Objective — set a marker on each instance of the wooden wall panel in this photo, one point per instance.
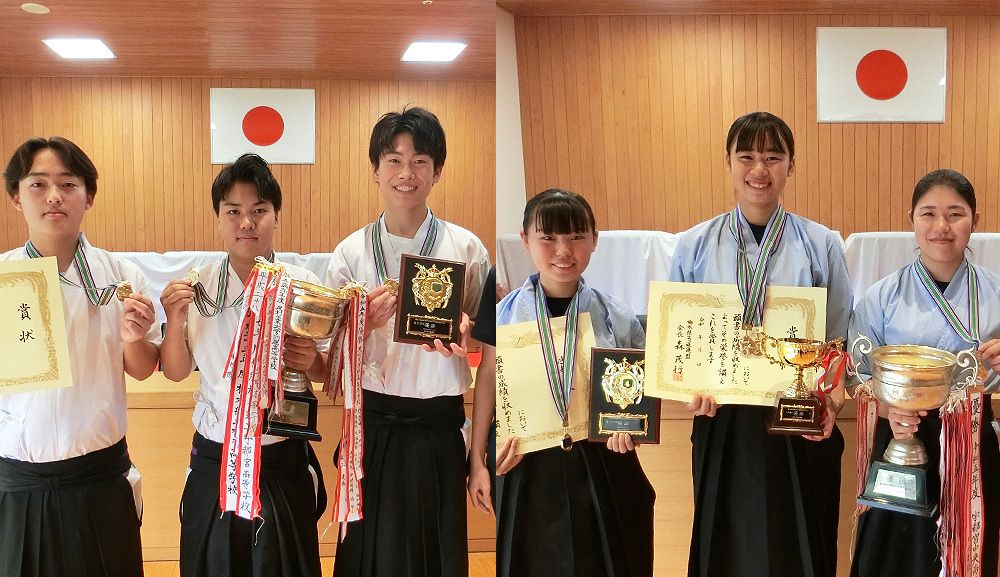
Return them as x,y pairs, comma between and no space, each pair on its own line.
150,140
632,112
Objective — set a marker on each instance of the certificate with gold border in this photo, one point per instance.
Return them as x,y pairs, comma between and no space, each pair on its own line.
525,408
33,350
694,333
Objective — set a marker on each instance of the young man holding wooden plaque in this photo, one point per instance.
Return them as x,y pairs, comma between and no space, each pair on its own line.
413,518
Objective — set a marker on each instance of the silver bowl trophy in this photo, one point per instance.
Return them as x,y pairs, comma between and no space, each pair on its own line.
909,378
798,411
313,312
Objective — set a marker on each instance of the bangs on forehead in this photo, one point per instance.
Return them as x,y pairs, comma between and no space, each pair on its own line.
561,216
761,139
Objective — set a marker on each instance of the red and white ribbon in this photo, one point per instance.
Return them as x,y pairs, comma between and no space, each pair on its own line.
348,352
960,523
257,346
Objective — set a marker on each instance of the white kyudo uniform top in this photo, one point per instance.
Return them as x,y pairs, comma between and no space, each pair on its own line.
400,369
809,254
58,424
209,340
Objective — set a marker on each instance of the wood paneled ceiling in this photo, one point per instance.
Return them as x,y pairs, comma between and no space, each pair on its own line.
252,38
632,7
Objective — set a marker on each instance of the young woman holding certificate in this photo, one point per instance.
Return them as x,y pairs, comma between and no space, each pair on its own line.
583,509
943,301
765,504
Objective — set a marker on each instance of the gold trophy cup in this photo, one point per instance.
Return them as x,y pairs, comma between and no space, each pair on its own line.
312,312
798,410
911,378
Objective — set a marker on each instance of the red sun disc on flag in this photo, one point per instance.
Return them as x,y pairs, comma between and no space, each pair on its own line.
881,74
263,126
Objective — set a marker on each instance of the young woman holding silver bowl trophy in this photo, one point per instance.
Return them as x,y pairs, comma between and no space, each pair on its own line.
927,323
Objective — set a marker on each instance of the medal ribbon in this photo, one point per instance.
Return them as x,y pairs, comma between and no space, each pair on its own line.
960,522
96,296
253,354
752,280
208,307
379,255
347,350
971,334
560,378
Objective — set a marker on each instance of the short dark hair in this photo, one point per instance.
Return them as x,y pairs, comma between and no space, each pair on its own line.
249,169
558,211
72,157
945,177
761,131
420,123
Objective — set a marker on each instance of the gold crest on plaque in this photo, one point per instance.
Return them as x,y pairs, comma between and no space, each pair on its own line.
432,287
622,382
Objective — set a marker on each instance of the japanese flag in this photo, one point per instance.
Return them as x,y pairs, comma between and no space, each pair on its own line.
881,74
276,123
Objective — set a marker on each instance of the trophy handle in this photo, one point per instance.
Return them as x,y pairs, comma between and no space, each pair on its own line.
769,340
968,362
862,344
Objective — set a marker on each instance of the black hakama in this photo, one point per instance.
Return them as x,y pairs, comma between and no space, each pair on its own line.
75,517
891,543
413,491
283,542
586,512
764,504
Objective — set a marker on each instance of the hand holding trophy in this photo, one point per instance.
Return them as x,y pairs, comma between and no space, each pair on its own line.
910,378
798,411
314,312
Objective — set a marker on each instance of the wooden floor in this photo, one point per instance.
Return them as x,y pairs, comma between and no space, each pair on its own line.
480,565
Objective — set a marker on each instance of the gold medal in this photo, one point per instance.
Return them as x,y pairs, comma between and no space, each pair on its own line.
192,277
432,287
622,382
391,286
124,290
751,345
567,442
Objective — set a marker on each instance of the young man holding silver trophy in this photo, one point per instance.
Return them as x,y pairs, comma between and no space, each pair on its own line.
283,539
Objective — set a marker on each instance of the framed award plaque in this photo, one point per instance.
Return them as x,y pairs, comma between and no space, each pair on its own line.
618,403
429,300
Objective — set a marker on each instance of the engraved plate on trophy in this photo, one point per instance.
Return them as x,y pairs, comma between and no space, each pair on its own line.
618,403
429,301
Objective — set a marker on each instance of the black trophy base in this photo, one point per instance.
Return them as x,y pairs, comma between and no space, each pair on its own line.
898,488
297,419
796,417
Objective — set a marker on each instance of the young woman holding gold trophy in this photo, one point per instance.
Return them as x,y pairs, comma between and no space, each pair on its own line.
765,504
941,301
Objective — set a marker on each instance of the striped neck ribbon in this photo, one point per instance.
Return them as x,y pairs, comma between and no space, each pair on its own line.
209,307
560,375
96,296
969,334
379,254
752,280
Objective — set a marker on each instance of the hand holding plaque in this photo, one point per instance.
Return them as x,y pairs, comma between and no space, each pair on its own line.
617,401
429,301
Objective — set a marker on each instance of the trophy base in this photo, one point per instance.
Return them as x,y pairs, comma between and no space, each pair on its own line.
796,417
297,419
898,488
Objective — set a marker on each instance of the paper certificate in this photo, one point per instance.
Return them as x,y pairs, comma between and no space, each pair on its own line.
693,335
33,350
525,408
